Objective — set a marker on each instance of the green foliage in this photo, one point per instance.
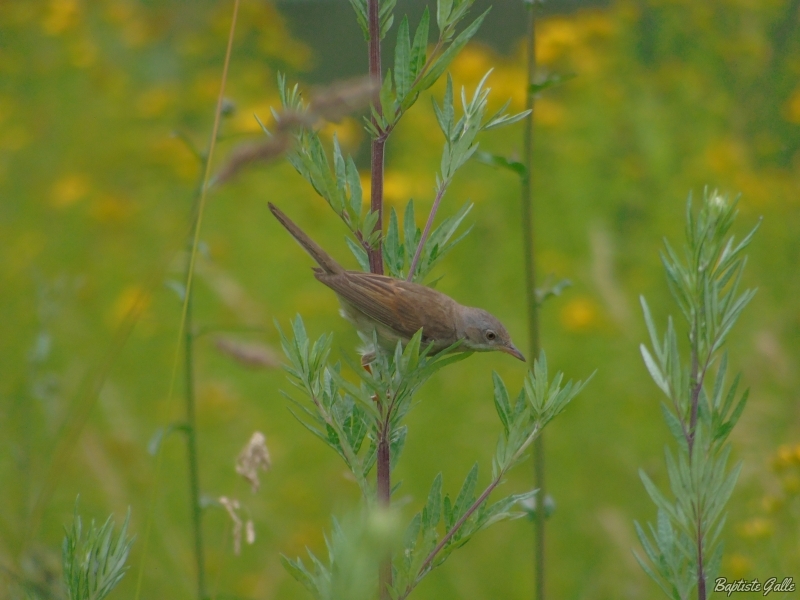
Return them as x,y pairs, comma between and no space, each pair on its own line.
399,255
94,560
355,549
684,550
345,415
414,70
340,187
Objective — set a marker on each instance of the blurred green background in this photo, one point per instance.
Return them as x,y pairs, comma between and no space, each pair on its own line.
95,192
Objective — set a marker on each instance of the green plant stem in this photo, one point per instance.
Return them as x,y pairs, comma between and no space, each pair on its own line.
535,434
191,450
195,241
533,308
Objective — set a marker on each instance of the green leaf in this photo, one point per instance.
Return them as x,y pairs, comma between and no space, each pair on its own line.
496,160
444,60
466,496
420,46
360,254
403,69
396,444
385,15
549,81
393,251
432,511
501,402
360,8
354,184
443,9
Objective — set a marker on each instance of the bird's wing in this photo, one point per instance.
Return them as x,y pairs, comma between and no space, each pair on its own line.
402,306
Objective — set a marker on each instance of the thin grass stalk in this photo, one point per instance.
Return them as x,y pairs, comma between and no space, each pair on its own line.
528,236
195,240
191,449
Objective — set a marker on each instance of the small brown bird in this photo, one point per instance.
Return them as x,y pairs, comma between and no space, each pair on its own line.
397,309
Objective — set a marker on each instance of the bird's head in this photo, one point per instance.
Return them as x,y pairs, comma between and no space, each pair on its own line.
483,332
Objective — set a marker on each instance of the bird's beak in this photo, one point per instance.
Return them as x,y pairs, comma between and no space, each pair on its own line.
513,351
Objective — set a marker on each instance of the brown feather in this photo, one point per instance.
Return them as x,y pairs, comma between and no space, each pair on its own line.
324,260
402,306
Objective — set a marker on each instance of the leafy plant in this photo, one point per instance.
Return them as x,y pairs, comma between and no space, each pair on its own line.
94,558
684,548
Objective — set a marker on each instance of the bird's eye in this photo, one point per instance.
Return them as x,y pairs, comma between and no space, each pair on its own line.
491,335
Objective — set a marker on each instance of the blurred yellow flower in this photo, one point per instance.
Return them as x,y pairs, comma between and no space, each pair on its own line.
172,152
726,156
218,400
471,64
68,190
243,121
61,15
784,457
554,37
792,110
14,137
111,210
155,101
83,53
791,484
133,301
348,131
579,314
756,528
737,565
770,504
397,187
548,112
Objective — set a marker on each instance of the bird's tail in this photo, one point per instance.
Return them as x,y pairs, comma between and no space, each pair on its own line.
324,260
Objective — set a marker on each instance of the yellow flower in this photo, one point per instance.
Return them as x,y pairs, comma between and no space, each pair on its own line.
68,190
792,110
61,15
579,314
155,101
548,112
737,565
172,152
791,484
348,132
471,64
554,37
14,137
783,458
83,53
111,210
756,528
771,504
132,302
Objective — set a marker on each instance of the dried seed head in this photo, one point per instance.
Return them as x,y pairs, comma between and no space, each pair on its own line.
250,354
231,506
253,457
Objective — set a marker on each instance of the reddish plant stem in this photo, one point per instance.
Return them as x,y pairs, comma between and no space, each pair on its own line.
384,481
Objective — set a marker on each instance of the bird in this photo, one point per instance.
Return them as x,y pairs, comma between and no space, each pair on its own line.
395,309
